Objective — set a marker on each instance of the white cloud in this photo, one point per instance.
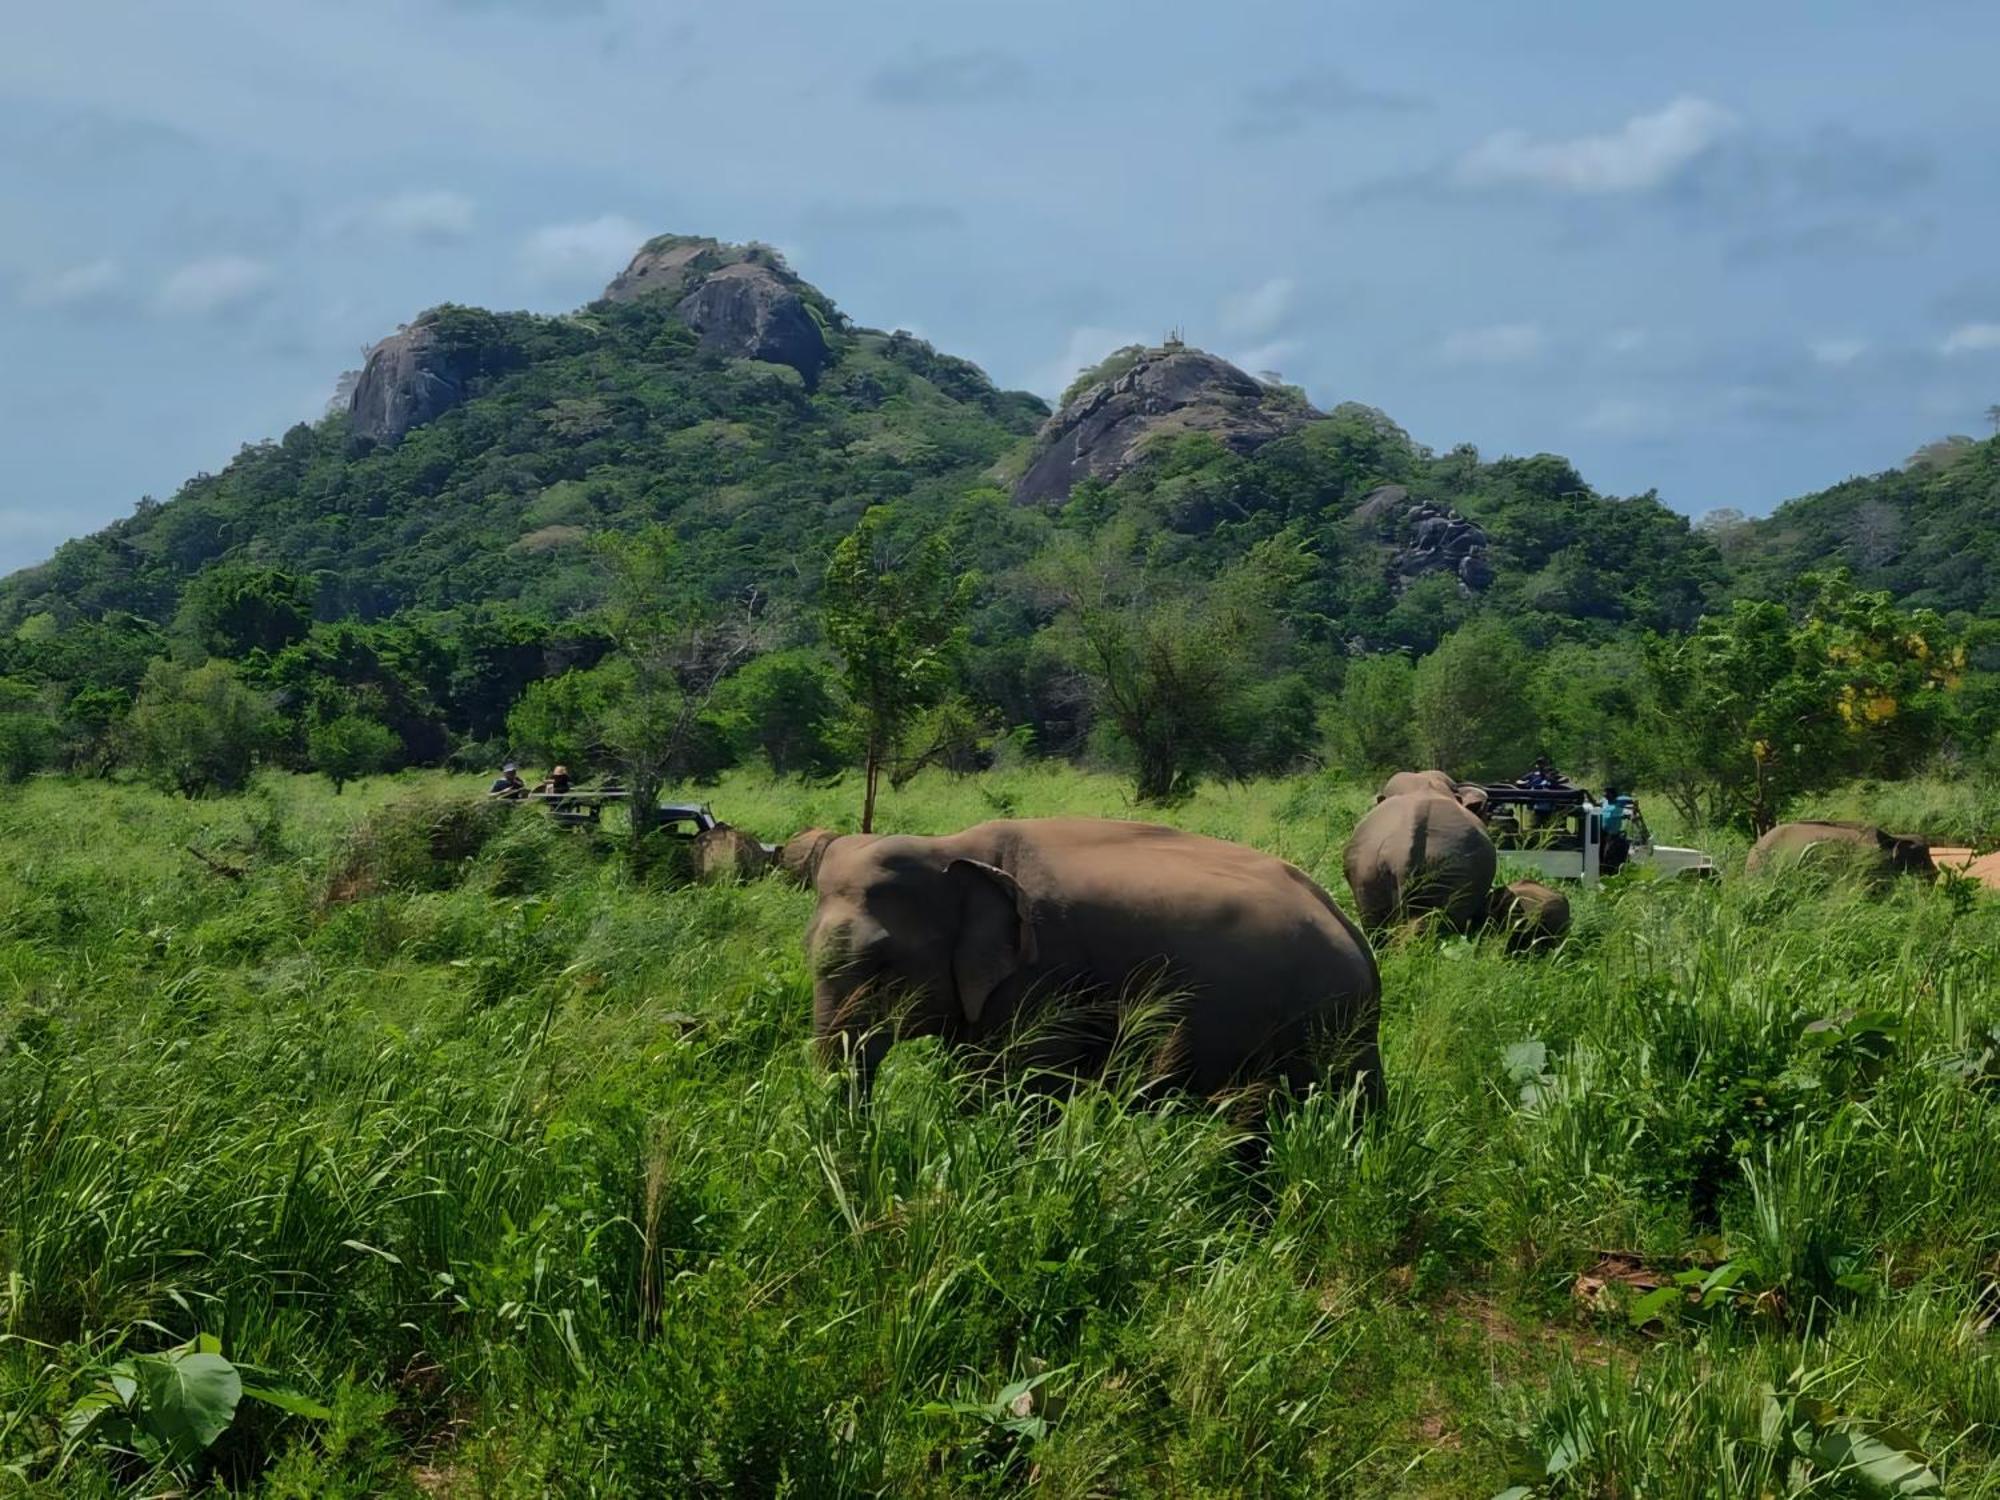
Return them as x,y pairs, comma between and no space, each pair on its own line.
93,283
1973,338
1837,352
1087,345
1625,417
585,250
1499,344
1644,152
1266,359
1627,340
422,214
1254,313
213,285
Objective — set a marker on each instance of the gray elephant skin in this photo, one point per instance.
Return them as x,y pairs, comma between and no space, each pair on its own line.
1468,794
1416,855
1862,846
1024,934
1528,914
1418,783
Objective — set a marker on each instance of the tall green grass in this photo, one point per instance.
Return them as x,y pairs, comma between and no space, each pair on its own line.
522,1168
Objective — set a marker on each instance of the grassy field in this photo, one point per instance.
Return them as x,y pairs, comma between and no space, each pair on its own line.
494,1172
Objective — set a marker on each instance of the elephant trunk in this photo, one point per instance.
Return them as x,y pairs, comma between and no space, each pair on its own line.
841,1030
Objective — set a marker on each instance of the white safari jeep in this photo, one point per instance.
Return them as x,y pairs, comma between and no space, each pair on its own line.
1559,834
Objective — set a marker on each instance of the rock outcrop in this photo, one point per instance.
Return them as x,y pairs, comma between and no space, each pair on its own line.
411,377
1102,430
1426,538
741,299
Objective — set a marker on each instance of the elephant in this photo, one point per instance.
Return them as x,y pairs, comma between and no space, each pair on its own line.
1420,853
1022,939
1468,794
1862,845
800,856
1529,914
1405,783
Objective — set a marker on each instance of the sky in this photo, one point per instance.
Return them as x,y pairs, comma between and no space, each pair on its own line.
1730,252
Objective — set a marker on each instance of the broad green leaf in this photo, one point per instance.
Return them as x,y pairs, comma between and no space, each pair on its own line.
1877,1469
287,1400
1644,1309
187,1402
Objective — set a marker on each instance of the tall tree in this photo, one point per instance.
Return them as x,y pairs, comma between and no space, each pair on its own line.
1757,707
196,730
897,620
1472,703
1172,665
676,645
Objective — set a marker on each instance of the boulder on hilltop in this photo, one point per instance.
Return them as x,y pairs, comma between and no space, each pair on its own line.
742,300
410,377
1101,430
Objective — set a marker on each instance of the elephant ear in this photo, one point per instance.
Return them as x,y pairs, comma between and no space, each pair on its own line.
996,937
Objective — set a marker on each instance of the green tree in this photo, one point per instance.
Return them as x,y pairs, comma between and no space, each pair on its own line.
231,609
1472,706
675,647
561,720
196,729
1756,707
1172,666
27,733
897,622
787,707
1372,732
350,745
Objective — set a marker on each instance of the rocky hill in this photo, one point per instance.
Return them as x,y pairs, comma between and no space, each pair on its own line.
1140,397
713,390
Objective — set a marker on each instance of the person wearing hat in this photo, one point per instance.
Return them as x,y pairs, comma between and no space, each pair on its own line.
509,784
556,784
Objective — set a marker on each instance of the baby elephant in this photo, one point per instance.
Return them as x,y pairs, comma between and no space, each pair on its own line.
1858,846
1529,914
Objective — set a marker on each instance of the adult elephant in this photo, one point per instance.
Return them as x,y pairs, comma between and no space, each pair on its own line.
1417,854
1861,846
1026,934
1418,783
1469,795
802,852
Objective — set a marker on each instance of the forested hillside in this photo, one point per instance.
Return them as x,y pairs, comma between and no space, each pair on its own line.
419,560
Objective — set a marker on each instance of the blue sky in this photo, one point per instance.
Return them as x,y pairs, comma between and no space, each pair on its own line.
1734,252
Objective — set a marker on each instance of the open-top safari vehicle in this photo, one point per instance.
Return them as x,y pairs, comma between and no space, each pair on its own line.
1559,833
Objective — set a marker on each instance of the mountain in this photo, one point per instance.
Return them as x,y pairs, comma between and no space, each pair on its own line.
439,528
1928,532
713,389
710,388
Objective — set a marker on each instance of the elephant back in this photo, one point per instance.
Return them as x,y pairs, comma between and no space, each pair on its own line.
1417,854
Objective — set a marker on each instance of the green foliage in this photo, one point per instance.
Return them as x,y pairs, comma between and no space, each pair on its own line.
788,708
195,730
558,720
1472,704
1173,669
350,745
1755,709
897,623
1372,725
169,1409
231,609
576,1207
28,737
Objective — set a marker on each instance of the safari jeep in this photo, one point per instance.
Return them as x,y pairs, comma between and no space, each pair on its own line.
1559,834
